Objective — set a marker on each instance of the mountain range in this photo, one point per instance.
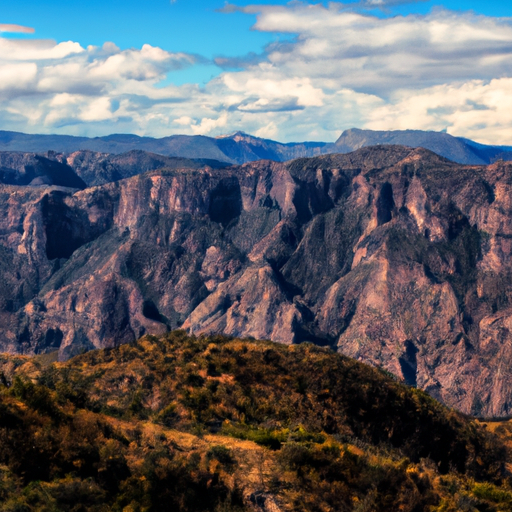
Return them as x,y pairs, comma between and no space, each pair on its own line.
392,255
240,147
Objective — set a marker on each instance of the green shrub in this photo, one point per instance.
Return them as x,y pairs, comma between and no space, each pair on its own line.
168,415
220,453
269,438
489,492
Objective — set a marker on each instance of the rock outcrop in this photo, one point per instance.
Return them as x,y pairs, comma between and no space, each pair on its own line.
394,256
37,170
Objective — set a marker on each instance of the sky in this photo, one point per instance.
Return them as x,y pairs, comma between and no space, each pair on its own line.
288,71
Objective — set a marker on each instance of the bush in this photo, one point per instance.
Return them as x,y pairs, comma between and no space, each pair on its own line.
220,453
489,492
295,456
269,438
168,415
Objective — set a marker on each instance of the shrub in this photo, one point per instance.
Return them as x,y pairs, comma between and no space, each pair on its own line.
489,492
220,453
269,438
168,415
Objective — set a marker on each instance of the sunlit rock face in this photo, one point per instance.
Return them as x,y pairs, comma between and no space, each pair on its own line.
391,255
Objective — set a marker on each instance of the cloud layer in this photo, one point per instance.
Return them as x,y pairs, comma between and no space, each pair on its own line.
338,68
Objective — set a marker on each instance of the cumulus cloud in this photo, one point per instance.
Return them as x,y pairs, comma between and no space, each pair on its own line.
379,55
46,86
338,68
64,67
478,110
344,67
16,50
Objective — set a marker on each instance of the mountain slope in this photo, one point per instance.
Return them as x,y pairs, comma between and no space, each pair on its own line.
453,148
101,168
36,170
83,169
225,424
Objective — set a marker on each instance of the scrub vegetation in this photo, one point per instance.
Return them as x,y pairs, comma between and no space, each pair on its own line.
220,424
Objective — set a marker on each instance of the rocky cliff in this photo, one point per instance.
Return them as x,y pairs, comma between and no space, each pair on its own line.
391,255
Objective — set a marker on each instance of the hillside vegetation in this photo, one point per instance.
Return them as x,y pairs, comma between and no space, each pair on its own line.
221,424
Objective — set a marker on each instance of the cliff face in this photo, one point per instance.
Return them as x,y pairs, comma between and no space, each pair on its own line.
393,256
101,168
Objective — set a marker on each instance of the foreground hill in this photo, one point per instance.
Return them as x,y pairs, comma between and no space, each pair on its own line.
391,255
220,424
239,147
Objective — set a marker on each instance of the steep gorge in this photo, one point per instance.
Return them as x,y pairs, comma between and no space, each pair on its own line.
391,255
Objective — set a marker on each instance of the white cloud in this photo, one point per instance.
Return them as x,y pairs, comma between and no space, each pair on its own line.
209,124
14,50
477,110
56,87
268,132
18,76
184,121
340,69
379,55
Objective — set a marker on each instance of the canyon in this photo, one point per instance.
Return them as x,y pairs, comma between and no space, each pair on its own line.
391,255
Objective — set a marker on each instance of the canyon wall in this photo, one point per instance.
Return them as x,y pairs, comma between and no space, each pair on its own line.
391,255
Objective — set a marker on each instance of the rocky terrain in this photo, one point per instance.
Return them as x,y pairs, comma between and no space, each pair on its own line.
240,147
391,255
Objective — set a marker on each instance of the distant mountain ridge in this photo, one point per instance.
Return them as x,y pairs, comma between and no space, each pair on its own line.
240,148
456,149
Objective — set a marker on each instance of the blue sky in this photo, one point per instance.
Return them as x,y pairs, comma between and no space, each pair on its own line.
290,71
193,26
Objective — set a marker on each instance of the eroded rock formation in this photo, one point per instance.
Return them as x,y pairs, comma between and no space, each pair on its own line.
392,255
